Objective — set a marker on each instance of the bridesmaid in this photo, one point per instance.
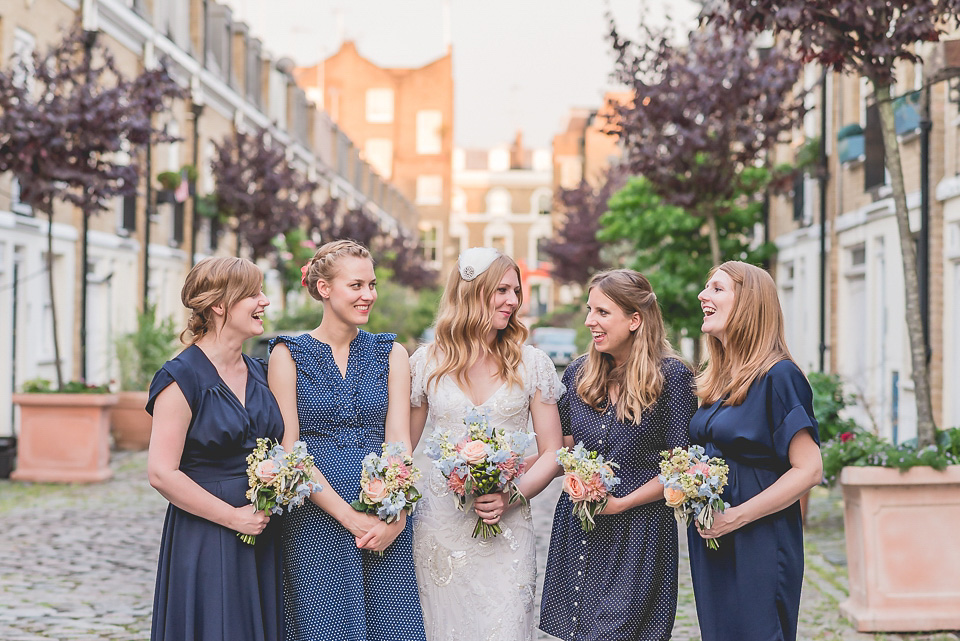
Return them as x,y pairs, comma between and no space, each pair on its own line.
209,406
344,392
628,399
757,413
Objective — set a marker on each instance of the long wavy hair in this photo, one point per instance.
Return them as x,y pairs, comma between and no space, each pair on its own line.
465,318
754,335
216,281
639,378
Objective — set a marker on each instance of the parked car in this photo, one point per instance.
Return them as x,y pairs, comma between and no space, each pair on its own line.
557,342
259,347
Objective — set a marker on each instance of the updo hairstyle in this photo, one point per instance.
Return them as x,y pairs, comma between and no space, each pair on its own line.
216,281
323,265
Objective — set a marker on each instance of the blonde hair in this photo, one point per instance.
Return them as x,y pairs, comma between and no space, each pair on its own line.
755,340
465,318
216,281
640,377
323,265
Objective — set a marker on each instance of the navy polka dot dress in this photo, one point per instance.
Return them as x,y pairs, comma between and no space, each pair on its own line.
619,581
332,590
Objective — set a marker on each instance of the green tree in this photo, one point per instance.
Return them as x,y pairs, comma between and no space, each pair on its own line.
672,246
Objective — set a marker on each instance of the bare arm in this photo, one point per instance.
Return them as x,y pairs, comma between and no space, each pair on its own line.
171,418
396,430
806,471
282,377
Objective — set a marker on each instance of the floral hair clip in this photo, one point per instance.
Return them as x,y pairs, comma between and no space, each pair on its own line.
303,274
475,261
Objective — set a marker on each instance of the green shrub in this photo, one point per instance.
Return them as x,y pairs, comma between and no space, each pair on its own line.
142,352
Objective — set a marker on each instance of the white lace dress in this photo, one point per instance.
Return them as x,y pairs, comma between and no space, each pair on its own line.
476,589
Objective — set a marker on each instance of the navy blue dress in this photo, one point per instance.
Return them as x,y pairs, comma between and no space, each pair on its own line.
760,564
334,591
211,585
619,581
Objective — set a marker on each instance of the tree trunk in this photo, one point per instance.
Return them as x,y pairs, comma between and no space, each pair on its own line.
926,428
53,299
714,235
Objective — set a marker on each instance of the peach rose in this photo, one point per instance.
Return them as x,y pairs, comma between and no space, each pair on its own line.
573,485
473,452
375,490
267,470
674,496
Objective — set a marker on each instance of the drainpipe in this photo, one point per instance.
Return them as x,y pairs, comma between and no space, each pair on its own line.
146,228
923,242
824,173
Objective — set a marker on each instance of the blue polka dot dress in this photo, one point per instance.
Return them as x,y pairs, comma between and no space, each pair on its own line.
618,582
332,590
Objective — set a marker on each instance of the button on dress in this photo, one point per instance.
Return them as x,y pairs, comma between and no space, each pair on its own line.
750,587
211,585
333,590
619,581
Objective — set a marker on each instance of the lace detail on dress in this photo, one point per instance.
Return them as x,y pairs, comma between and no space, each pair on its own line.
543,375
476,589
418,376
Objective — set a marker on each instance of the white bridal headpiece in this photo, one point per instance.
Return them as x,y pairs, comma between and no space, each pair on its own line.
475,261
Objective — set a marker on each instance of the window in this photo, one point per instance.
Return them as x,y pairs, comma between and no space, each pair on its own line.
429,131
429,190
16,206
542,255
430,240
380,105
128,213
379,153
858,256
499,243
23,46
499,202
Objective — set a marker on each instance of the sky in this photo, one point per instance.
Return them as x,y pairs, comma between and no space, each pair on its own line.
517,64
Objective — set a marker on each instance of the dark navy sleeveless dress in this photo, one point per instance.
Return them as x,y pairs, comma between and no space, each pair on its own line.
750,587
211,585
332,590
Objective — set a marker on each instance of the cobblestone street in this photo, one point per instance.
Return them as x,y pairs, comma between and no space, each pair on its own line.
78,562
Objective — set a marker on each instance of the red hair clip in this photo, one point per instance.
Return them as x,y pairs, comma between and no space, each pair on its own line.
303,274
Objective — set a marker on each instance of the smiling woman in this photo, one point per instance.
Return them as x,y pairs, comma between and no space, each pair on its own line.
210,404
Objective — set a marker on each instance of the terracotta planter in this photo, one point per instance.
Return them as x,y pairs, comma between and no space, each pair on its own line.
902,557
64,437
129,422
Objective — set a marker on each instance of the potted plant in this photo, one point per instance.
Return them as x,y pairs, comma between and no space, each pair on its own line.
828,402
140,354
64,432
169,182
901,516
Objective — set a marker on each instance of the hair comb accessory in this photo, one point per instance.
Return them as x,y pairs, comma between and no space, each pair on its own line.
303,274
475,261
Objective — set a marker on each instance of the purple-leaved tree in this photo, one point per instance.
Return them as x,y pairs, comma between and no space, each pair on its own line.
702,113
68,117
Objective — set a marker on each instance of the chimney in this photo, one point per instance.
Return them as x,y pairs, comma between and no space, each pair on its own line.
517,152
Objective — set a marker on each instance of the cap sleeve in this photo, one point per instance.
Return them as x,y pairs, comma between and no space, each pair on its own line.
418,376
542,376
174,371
791,407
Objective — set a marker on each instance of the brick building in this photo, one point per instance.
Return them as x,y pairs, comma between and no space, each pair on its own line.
401,122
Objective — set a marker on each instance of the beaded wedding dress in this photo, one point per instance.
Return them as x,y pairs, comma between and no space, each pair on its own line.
475,589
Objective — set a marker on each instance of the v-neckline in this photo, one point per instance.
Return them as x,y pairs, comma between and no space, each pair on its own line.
341,374
246,383
470,400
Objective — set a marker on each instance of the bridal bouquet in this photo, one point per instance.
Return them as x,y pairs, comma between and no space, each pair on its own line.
278,478
484,461
692,484
386,483
588,480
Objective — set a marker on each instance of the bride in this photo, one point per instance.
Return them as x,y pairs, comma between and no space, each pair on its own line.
475,589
